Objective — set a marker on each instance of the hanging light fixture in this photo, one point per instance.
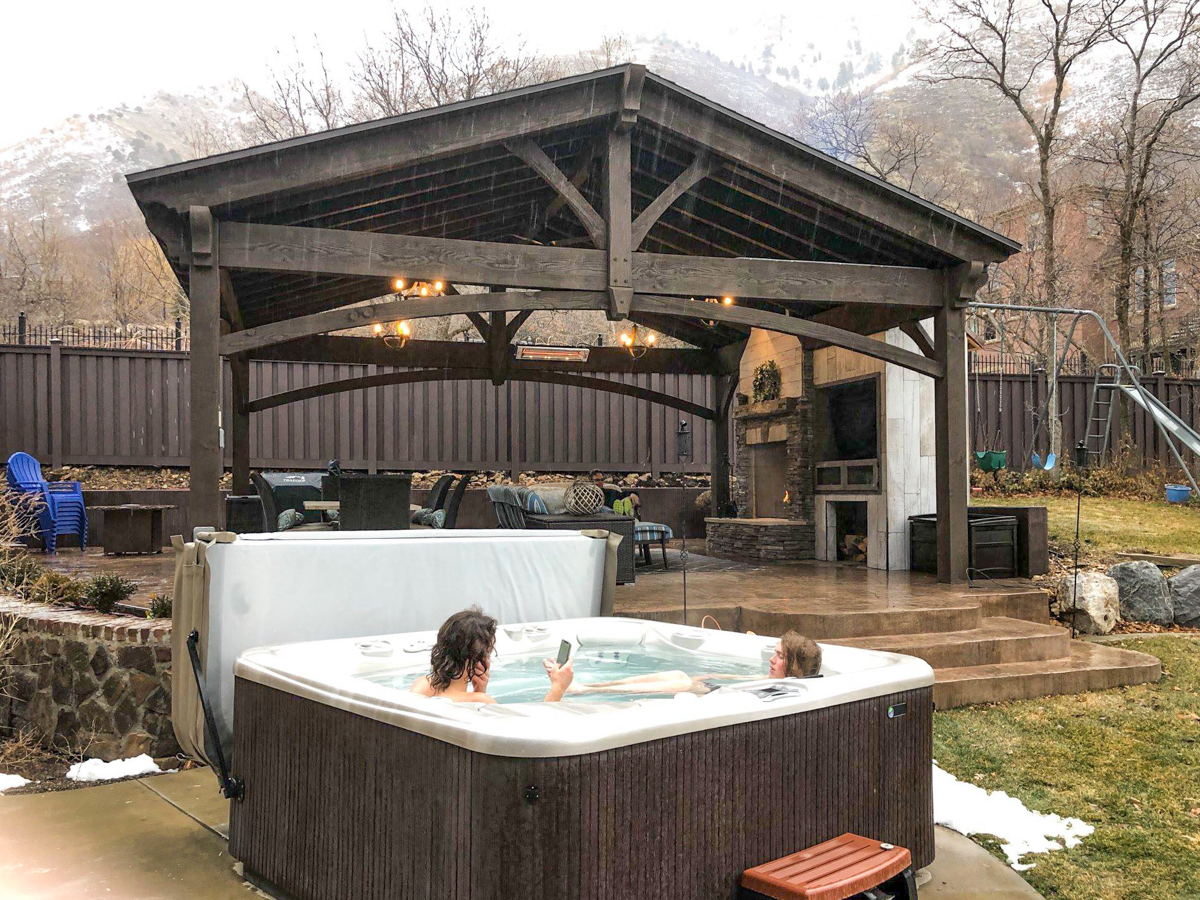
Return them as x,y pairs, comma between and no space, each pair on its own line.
406,288
394,336
637,344
720,301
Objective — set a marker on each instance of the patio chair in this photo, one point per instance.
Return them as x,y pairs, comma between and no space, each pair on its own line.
375,502
438,493
272,507
59,504
455,501
507,506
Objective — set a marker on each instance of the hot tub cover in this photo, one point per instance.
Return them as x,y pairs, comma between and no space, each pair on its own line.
243,591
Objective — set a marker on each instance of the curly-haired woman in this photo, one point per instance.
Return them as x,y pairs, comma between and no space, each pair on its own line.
462,657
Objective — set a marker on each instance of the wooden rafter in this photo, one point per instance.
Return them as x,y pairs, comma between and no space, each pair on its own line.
536,159
292,249
422,354
915,331
482,374
801,328
701,167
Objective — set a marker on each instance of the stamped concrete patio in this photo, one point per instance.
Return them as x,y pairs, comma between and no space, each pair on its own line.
164,838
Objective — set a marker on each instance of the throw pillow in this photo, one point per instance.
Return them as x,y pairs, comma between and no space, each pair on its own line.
584,499
554,496
289,518
438,519
418,515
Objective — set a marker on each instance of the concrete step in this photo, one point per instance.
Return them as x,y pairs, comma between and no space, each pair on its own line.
824,624
998,640
1032,605
1088,667
822,621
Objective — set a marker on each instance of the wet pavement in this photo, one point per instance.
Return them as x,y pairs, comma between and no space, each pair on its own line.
162,838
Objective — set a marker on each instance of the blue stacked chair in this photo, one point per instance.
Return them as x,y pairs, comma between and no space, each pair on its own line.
57,504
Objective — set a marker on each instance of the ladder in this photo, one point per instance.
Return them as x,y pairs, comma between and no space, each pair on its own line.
1108,379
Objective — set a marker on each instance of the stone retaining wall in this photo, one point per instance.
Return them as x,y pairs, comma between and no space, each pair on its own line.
88,682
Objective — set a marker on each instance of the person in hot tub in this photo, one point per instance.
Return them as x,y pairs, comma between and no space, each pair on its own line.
462,657
796,656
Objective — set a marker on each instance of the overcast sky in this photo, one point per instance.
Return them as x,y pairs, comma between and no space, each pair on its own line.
63,57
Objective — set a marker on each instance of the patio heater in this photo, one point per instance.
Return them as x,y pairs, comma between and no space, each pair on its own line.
1081,464
683,449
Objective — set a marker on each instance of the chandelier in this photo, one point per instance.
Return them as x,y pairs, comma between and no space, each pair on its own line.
637,344
397,334
721,301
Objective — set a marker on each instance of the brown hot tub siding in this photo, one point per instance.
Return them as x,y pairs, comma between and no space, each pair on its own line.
341,806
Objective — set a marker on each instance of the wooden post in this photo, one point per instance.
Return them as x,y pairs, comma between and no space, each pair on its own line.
372,397
239,371
204,294
725,386
56,404
618,214
950,414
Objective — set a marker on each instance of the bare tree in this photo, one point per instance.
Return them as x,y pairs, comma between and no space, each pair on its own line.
1024,51
856,128
302,98
1160,80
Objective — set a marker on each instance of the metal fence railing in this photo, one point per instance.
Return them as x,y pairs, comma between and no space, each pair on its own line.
110,337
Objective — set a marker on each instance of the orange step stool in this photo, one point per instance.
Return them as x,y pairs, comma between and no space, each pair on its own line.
835,870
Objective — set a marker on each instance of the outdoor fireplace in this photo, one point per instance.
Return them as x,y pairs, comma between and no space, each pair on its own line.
774,485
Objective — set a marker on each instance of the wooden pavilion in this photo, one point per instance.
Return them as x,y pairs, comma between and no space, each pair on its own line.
616,191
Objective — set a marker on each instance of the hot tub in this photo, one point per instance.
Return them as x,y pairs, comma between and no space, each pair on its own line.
357,788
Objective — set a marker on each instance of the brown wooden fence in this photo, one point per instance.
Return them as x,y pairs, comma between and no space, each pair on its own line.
1002,410
85,406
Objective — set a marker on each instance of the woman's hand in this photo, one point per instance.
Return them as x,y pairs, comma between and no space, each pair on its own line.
560,678
479,679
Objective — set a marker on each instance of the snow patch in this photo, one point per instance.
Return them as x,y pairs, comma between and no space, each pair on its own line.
969,809
8,782
99,770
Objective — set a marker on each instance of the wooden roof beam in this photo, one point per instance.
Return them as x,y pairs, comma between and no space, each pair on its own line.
815,174
701,167
361,150
569,379
534,157
285,248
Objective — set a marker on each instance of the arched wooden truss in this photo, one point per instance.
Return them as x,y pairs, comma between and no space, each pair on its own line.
614,191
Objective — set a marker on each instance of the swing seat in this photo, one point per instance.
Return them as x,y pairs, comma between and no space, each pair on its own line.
1051,459
991,460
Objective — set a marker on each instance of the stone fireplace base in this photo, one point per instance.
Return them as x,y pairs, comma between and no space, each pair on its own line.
760,540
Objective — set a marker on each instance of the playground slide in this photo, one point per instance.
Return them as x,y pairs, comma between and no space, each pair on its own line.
1171,422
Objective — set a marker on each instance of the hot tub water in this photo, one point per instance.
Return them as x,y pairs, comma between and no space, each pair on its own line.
522,678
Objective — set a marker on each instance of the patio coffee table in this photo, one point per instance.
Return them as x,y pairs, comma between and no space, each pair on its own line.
132,528
622,525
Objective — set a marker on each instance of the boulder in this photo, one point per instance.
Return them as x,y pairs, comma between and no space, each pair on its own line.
1145,595
1096,611
1185,596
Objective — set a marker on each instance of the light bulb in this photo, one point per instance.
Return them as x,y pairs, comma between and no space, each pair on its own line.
403,329
424,290
651,338
626,339
378,328
728,301
437,286
399,284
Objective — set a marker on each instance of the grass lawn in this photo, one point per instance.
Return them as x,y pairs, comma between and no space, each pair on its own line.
1126,761
1109,525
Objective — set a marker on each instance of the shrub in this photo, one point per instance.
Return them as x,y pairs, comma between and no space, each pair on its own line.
55,587
19,572
767,382
160,607
104,592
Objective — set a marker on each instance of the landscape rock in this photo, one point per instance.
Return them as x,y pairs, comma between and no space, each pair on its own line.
1185,596
1098,606
1144,593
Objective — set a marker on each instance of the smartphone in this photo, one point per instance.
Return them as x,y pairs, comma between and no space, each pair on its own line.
564,652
